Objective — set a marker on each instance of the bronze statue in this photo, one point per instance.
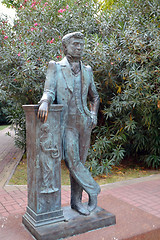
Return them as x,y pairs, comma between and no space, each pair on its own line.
70,83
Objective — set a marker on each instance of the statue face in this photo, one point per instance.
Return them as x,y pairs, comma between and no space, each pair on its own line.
75,47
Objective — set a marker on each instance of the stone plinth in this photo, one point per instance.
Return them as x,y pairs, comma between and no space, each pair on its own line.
74,224
44,167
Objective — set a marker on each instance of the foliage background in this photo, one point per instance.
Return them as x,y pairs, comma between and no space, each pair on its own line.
122,45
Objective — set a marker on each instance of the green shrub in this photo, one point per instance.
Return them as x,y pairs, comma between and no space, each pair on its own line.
3,113
105,154
131,86
28,46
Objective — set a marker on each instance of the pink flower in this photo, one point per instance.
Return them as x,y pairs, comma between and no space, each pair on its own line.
33,4
60,10
35,24
45,3
32,29
19,54
60,16
41,30
97,44
52,40
5,37
67,6
112,63
48,41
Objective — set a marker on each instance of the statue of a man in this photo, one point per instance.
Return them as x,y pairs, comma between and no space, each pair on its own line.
70,83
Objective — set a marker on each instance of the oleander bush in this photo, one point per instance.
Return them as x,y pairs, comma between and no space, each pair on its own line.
121,44
3,113
3,110
129,74
28,46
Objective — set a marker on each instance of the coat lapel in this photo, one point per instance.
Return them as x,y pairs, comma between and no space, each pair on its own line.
67,74
84,78
69,78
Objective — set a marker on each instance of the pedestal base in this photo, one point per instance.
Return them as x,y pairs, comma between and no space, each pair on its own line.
74,224
30,218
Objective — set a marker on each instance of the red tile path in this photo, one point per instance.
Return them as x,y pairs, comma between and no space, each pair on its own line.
143,193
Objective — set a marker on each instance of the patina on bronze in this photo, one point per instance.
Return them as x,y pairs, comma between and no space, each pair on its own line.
63,129
70,83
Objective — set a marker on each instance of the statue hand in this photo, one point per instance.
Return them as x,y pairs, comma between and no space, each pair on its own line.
43,111
94,120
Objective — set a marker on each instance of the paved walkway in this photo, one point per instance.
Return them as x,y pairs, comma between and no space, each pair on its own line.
9,155
136,204
143,193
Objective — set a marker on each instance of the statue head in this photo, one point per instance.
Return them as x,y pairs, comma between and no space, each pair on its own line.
73,44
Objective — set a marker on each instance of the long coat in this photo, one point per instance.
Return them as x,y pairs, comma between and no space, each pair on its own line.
59,86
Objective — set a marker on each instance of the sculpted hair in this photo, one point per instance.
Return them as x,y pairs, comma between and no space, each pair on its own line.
67,37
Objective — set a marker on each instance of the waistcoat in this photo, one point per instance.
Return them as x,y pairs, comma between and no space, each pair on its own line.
75,105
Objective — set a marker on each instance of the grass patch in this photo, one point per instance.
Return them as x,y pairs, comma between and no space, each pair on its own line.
3,127
120,173
20,175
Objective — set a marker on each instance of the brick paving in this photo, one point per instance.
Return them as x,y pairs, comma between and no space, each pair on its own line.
144,195
13,199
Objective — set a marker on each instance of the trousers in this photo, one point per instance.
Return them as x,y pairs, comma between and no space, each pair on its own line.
76,145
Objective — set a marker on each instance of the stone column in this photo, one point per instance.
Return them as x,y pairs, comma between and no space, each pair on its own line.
44,167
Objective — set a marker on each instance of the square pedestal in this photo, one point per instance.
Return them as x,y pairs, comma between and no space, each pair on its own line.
74,224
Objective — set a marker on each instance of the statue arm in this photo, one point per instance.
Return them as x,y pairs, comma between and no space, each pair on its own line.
93,96
49,92
93,100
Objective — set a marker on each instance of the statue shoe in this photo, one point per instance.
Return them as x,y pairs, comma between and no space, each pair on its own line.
80,208
92,204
